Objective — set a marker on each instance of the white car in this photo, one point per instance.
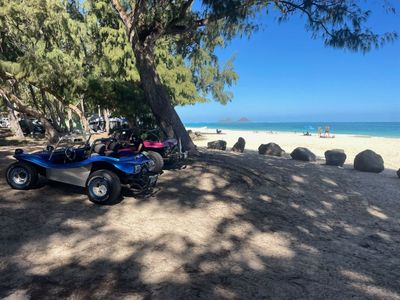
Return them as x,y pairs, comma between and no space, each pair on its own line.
4,122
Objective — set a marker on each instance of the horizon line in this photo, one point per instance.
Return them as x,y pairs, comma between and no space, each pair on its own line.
241,122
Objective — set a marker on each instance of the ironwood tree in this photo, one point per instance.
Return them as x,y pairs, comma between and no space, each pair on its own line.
64,58
339,23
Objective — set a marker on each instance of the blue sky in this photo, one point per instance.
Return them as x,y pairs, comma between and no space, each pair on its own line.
285,75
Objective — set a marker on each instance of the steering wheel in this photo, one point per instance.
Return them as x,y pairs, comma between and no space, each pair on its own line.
70,153
153,134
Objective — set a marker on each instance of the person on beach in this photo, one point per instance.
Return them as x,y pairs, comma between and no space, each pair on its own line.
327,131
319,131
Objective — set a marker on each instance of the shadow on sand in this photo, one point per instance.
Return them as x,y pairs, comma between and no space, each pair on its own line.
226,226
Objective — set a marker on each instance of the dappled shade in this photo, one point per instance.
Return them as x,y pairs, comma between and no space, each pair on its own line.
224,225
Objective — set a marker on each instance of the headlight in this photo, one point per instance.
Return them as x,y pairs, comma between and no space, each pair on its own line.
138,168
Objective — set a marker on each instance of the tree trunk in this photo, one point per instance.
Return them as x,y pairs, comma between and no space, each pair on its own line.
82,106
84,121
132,122
61,115
158,98
51,134
14,123
106,116
69,120
14,102
50,107
33,95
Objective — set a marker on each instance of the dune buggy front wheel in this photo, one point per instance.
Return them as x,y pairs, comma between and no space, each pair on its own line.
21,175
103,187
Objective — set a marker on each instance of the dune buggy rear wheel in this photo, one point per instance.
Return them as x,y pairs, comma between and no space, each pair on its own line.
103,187
157,159
22,176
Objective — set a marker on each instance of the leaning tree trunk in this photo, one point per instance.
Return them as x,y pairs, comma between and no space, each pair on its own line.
14,123
84,121
51,134
61,116
12,101
52,116
158,98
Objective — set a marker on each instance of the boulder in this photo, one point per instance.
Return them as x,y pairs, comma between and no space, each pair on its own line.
335,157
239,145
218,145
398,173
369,161
270,149
303,154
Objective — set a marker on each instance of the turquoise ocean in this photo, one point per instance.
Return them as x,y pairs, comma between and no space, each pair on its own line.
380,129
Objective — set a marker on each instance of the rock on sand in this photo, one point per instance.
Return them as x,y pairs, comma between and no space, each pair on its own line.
303,154
217,145
335,157
239,146
369,161
270,149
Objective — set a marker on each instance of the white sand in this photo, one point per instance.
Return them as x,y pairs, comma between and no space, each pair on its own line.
388,148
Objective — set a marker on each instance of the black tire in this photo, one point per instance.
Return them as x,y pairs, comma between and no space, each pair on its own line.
22,176
158,161
103,187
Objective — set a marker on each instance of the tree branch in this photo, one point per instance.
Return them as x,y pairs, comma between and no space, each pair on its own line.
122,13
19,104
303,9
175,28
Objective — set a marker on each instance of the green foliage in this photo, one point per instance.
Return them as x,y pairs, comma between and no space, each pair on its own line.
191,36
188,81
73,49
42,45
340,24
123,98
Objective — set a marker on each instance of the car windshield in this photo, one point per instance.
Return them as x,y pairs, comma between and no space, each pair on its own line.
73,140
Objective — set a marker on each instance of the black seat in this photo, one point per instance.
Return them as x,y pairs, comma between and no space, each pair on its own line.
99,149
113,148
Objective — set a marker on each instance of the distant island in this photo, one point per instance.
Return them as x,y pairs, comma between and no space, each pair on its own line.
243,120
229,120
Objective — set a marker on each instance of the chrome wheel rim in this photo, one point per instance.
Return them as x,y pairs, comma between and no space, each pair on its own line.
19,176
100,187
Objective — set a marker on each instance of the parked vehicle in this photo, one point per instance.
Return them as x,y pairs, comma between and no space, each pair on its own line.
4,122
31,126
117,123
97,123
85,165
169,150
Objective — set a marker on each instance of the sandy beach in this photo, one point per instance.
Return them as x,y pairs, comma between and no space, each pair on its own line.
388,148
224,226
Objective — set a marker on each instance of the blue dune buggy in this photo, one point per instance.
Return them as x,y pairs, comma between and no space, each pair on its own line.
86,166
